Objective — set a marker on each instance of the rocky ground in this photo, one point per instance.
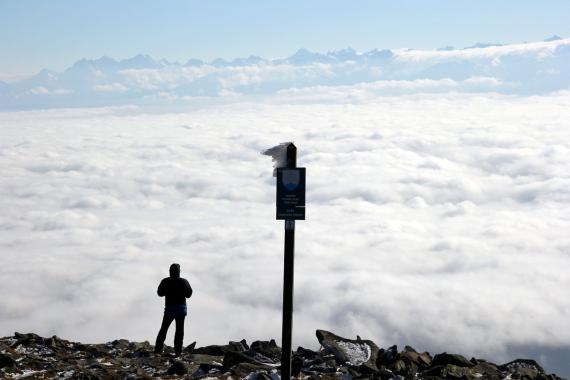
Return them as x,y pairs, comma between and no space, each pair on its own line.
31,356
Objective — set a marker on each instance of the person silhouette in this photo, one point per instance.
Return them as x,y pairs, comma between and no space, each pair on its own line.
175,289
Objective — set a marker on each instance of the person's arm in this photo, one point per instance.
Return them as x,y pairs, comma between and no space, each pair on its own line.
161,291
188,292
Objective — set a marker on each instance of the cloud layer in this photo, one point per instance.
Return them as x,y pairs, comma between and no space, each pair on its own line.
434,220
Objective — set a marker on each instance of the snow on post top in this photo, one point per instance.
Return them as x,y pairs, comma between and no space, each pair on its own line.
279,155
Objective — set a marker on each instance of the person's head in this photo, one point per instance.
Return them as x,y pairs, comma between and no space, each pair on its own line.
175,270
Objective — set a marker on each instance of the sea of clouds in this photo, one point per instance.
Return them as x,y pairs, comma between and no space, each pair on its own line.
438,220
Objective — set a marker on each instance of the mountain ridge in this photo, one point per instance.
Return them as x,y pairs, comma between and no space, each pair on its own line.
146,61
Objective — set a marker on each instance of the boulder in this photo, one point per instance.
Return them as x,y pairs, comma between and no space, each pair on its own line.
244,369
525,374
306,353
238,346
25,339
456,372
206,370
433,372
232,358
190,348
120,344
384,373
453,359
421,360
267,348
220,350
177,368
447,371
486,370
260,358
207,359
355,352
387,357
217,350
516,364
6,361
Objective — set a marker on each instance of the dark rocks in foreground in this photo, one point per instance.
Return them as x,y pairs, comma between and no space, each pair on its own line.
31,356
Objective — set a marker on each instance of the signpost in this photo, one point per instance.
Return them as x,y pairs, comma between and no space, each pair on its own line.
291,194
290,207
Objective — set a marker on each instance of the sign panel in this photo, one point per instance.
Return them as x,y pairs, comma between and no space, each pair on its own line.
291,193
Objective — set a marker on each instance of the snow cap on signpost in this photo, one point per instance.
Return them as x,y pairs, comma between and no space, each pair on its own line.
279,155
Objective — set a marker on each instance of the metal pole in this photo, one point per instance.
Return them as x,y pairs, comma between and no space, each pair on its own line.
288,282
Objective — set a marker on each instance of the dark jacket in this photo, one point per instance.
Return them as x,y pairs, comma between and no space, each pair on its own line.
174,288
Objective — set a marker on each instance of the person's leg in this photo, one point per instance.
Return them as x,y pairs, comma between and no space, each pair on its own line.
179,334
166,321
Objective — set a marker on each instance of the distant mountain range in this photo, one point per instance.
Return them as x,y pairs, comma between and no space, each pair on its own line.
526,68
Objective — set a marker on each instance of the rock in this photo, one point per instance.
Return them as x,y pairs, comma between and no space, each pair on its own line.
424,359
351,351
244,369
449,371
384,373
6,361
207,359
296,364
190,348
456,372
86,375
263,376
366,369
244,344
120,344
24,339
307,353
398,366
205,369
50,342
238,346
512,366
454,359
525,374
267,348
140,346
433,372
213,350
177,368
421,360
260,357
140,349
232,358
27,337
387,357
409,349
217,350
487,370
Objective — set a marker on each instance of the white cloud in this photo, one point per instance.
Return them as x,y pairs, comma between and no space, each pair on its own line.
436,220
543,49
39,90
111,87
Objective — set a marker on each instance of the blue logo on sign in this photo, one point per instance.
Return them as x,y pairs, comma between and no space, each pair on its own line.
291,179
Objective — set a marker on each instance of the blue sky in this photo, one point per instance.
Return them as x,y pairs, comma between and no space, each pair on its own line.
38,34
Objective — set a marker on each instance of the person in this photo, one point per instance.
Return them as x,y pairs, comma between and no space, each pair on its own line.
175,289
